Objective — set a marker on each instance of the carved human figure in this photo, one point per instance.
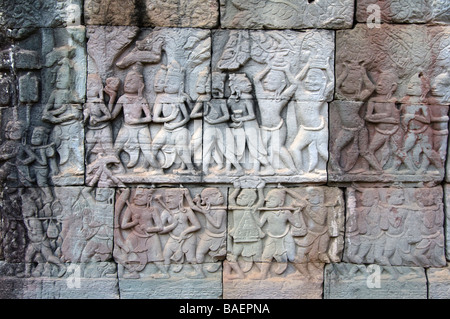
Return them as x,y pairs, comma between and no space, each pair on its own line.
143,222
212,241
418,142
170,108
273,95
372,223
15,156
429,249
397,248
134,136
64,111
383,113
353,132
354,82
314,84
97,116
245,232
181,223
245,127
312,249
440,94
39,249
43,161
99,230
279,243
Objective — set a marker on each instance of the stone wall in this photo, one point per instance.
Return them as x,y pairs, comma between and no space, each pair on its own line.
224,149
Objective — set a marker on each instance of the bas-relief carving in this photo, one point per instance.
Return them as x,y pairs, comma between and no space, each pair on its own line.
291,14
282,232
284,130
43,238
391,120
164,233
395,11
17,14
146,98
395,226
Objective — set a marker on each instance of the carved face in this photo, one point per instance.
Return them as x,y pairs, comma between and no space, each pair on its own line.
173,198
213,196
368,198
172,85
141,197
274,80
247,197
274,200
315,80
14,131
37,138
102,194
414,87
160,81
441,85
425,197
396,197
133,83
316,196
63,78
241,83
385,84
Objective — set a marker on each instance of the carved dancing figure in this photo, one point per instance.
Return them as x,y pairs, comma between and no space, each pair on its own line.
244,126
273,95
181,223
170,108
134,135
142,245
245,231
314,84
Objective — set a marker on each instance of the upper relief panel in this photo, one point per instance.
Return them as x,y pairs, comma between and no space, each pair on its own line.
401,11
16,14
287,14
154,13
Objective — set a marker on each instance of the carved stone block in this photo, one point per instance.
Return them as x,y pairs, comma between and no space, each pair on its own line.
447,220
349,281
289,285
292,14
396,11
284,131
40,14
153,79
438,283
301,227
395,226
387,141
150,13
159,232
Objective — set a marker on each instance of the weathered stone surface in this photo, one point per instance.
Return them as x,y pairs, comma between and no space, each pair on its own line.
394,123
387,141
438,283
285,128
447,221
291,284
150,13
39,14
348,281
395,226
396,11
82,281
292,14
169,229
299,226
180,285
164,73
